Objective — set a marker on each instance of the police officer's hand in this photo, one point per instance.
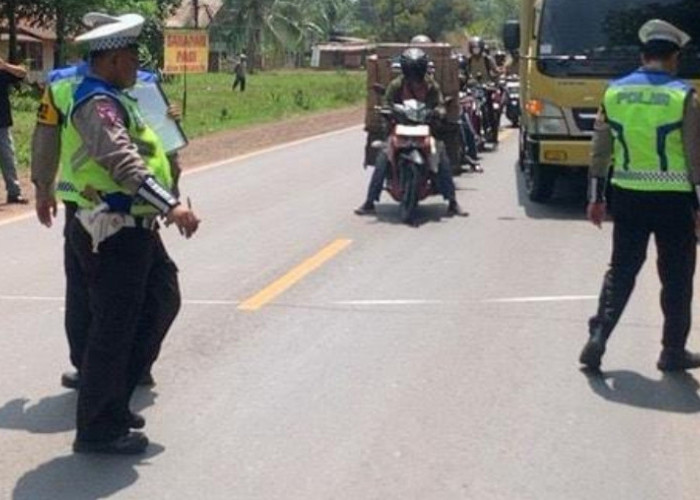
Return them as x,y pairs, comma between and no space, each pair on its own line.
185,220
596,213
46,208
175,112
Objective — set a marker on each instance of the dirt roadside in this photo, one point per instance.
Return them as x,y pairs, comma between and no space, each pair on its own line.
232,143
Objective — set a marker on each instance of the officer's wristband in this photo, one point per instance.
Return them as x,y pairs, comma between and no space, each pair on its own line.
156,195
596,190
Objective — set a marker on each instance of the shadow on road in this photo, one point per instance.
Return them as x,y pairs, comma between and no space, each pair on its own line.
674,393
54,414
82,477
388,213
568,202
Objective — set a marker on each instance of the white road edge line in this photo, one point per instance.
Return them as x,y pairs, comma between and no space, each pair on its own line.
366,303
526,300
512,300
409,302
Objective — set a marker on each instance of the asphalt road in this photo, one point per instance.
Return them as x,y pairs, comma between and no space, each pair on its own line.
320,355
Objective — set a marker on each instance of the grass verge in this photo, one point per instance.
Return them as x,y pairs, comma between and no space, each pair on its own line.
212,106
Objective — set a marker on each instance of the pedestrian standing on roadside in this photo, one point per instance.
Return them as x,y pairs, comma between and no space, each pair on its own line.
10,74
649,126
240,70
121,170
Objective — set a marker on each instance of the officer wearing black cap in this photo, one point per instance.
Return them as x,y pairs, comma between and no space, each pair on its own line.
649,126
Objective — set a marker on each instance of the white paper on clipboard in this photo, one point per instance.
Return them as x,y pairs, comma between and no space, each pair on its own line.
154,107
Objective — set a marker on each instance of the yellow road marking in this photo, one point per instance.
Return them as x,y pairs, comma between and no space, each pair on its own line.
281,285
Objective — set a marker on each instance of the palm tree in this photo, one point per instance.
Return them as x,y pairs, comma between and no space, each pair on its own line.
264,24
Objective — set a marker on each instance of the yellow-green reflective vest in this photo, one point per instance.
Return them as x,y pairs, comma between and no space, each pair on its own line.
62,97
89,176
645,111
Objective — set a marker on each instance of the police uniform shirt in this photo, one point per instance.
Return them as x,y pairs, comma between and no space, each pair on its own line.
603,141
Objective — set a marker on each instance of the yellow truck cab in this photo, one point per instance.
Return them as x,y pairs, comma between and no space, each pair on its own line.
568,51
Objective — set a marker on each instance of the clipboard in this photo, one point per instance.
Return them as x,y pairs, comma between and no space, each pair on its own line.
153,104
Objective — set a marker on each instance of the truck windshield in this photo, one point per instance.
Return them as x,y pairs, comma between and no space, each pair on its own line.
599,38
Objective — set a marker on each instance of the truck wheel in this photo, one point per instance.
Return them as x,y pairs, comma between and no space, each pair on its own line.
539,181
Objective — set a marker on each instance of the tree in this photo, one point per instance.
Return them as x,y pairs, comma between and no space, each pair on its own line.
399,21
264,24
66,17
491,14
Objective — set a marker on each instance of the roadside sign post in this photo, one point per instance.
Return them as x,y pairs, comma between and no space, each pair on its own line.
186,52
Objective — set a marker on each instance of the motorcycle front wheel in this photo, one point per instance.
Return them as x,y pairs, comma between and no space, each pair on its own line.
409,185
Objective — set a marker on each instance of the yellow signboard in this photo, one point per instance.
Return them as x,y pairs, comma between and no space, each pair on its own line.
186,51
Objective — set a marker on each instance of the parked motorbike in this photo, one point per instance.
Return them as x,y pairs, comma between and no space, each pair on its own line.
512,100
413,155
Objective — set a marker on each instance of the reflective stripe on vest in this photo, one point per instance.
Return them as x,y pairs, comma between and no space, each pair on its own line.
645,112
89,176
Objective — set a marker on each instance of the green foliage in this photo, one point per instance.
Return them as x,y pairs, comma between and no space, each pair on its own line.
270,96
491,14
395,20
66,16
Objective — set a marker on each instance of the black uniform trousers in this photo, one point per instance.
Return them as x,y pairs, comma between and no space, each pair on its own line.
134,298
670,217
77,316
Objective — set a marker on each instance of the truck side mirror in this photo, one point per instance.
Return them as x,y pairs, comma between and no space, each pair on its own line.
511,35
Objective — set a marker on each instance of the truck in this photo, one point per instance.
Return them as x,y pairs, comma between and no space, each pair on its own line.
568,52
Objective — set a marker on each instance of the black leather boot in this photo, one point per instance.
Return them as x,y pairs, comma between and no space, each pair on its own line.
594,349
677,360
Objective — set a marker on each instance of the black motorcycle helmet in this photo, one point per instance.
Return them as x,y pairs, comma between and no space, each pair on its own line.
414,64
477,46
500,57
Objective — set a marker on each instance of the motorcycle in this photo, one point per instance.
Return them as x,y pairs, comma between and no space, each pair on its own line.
512,100
472,101
471,124
413,155
492,110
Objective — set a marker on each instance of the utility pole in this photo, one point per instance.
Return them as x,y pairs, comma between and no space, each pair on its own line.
195,6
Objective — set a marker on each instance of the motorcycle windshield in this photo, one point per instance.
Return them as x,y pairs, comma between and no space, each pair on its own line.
599,38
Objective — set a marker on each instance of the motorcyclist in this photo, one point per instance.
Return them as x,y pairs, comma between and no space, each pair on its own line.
501,60
466,126
414,83
483,68
479,64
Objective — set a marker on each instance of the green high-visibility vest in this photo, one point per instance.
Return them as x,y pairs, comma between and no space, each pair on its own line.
62,98
645,111
88,175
